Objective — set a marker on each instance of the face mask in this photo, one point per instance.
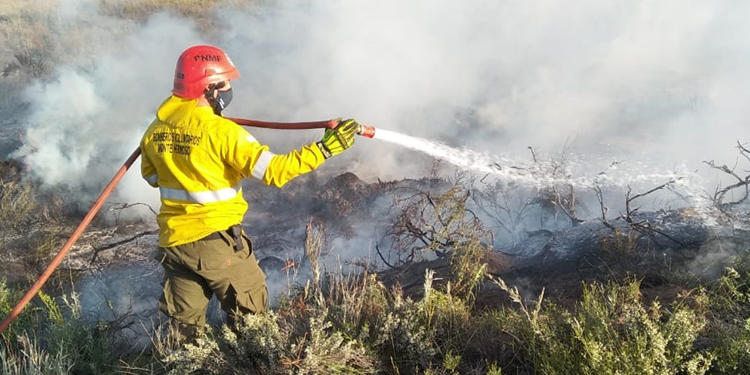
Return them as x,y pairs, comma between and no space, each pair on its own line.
221,101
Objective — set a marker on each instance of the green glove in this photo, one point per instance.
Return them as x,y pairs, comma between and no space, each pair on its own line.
338,139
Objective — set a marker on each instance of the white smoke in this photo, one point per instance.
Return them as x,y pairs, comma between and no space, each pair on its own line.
659,84
655,82
89,117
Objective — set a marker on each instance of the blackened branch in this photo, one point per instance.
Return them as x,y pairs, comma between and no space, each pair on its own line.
742,182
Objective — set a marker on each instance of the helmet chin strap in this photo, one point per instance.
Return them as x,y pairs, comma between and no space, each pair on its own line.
216,98
212,98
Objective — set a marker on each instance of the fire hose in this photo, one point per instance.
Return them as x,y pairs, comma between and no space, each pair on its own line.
365,131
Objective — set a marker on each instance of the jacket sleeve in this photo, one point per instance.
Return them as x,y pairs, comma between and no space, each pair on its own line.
251,158
148,171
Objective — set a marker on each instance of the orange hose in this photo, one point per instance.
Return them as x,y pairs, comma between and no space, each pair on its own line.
73,238
365,130
330,124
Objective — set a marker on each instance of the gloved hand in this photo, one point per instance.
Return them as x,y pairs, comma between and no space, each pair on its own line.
338,139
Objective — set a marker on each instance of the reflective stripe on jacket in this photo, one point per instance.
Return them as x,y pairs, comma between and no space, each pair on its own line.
198,161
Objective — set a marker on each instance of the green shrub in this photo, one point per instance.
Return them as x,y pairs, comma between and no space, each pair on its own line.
731,346
31,359
54,339
201,357
329,351
729,327
616,332
447,318
259,343
402,337
468,269
611,331
256,343
449,365
87,345
26,321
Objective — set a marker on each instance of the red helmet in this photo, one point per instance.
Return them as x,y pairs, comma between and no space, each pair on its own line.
200,66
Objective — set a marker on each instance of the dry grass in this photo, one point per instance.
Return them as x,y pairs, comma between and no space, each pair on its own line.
202,11
353,324
35,36
25,28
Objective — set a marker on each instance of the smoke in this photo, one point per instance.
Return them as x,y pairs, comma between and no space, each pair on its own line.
86,119
637,80
658,87
655,83
110,296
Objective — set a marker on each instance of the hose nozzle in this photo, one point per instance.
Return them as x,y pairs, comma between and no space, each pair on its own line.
367,131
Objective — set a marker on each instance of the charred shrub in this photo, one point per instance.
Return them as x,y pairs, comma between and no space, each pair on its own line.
443,226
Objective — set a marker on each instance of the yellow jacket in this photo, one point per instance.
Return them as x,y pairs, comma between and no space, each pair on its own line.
198,161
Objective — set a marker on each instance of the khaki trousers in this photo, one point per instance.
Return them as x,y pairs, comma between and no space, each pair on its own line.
195,271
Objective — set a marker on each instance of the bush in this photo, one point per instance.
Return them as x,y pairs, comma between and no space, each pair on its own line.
407,336
729,326
448,318
611,331
260,344
8,299
66,344
87,345
31,359
23,231
731,346
328,351
17,206
616,332
355,325
402,337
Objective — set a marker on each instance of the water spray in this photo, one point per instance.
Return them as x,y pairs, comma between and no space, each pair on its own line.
365,131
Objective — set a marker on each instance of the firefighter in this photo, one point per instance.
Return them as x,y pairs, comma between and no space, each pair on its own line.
198,159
